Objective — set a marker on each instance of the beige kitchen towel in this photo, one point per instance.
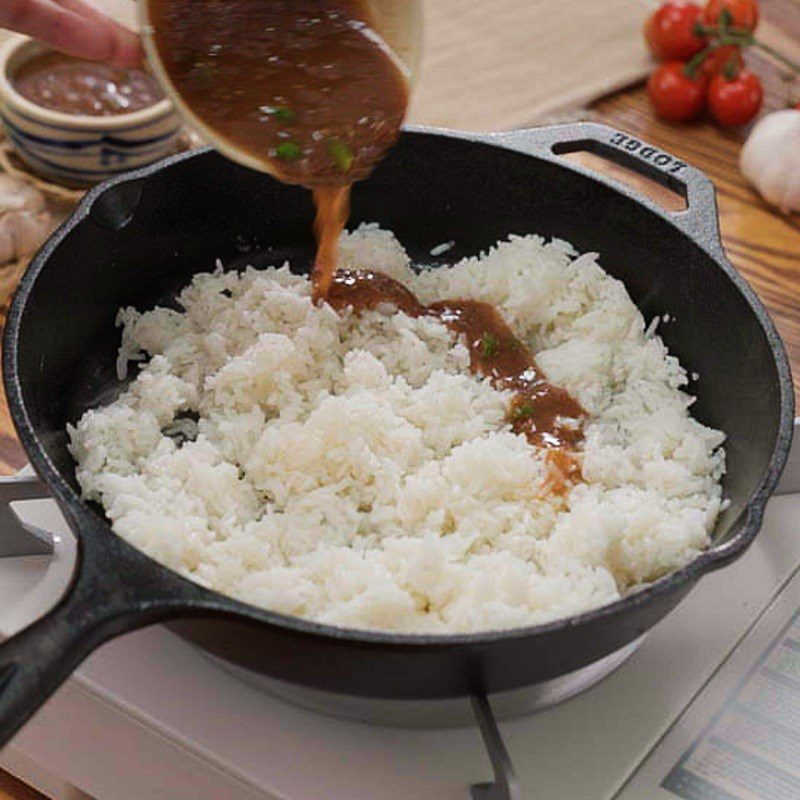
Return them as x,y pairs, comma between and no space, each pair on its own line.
498,64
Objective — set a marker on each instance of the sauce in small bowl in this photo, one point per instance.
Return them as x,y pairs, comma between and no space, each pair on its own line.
74,86
76,131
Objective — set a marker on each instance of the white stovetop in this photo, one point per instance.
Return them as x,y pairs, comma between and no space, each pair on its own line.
148,716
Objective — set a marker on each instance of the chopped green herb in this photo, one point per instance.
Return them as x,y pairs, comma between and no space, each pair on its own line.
282,113
288,151
523,412
489,344
341,154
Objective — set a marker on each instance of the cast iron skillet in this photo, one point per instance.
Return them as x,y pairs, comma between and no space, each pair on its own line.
136,239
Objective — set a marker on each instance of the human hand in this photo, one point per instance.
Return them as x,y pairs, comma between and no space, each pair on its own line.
75,27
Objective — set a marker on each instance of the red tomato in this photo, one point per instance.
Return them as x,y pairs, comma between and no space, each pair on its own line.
674,95
735,101
727,56
670,31
744,13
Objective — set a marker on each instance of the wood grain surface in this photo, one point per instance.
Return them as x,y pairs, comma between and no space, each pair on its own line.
764,245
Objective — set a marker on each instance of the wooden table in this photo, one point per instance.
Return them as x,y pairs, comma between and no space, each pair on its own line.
763,245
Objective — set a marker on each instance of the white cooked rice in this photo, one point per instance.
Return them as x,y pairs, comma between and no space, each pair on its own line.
351,470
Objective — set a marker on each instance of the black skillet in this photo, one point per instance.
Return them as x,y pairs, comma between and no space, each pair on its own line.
136,239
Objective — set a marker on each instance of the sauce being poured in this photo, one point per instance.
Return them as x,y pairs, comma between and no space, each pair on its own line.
306,86
547,415
333,209
74,86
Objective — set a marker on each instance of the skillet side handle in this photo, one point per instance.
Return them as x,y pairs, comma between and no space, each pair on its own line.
36,661
730,549
699,220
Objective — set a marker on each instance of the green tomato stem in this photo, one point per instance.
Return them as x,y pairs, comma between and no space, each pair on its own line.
744,38
693,65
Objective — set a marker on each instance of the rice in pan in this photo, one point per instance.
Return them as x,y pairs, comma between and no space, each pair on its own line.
350,469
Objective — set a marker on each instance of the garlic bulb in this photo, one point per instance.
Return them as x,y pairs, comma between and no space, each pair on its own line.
25,221
770,159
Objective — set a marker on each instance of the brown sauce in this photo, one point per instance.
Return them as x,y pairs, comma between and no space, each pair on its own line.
73,86
547,415
333,209
303,84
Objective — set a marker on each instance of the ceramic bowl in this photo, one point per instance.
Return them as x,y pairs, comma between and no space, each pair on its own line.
74,149
399,23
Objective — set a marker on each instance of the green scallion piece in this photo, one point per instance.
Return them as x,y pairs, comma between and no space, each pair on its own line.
288,151
283,114
523,412
341,154
489,344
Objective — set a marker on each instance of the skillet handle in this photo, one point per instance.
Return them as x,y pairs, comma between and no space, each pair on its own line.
114,590
36,661
699,220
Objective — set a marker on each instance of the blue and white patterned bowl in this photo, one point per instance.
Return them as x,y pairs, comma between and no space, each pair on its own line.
79,150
